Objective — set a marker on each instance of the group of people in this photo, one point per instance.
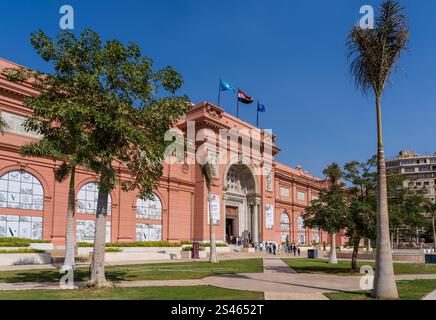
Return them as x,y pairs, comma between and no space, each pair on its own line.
273,248
268,247
292,248
240,241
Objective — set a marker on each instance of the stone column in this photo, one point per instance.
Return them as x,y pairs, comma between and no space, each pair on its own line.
255,222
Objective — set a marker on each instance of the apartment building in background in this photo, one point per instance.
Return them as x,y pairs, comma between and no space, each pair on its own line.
420,171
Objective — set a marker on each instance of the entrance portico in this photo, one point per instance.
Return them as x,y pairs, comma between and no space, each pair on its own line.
241,202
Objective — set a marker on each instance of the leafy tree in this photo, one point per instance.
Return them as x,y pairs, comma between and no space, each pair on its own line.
406,207
374,53
362,203
329,212
430,208
207,170
123,109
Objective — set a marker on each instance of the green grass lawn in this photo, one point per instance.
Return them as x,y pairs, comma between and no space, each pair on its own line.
136,293
344,267
408,290
160,271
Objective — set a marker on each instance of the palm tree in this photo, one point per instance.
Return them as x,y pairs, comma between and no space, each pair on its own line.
374,53
207,170
334,174
71,151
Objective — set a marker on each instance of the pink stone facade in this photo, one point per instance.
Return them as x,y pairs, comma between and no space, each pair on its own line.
180,210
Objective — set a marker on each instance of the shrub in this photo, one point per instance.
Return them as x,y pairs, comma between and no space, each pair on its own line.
219,244
22,251
19,242
133,244
189,248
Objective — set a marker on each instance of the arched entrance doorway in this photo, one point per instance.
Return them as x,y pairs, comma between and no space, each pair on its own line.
241,203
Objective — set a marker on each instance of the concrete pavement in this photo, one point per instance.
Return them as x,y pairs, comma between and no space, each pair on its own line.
278,282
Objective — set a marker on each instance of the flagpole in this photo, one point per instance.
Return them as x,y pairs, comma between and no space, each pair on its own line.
237,104
257,114
219,93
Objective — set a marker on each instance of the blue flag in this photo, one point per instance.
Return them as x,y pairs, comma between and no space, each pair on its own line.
260,107
224,86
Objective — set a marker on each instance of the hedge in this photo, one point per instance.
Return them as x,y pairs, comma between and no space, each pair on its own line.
19,242
21,251
189,248
132,244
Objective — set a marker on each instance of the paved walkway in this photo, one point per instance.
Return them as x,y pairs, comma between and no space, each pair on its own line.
278,282
431,296
276,265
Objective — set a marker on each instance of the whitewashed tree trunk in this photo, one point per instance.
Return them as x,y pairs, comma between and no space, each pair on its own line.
213,256
332,256
98,277
384,279
70,236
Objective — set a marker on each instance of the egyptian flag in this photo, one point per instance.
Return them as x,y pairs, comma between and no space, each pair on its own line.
242,97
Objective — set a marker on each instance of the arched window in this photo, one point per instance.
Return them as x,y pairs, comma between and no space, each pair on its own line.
285,227
149,209
87,199
21,190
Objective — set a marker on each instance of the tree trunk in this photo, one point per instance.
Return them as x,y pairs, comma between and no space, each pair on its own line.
70,237
384,279
98,278
355,254
212,256
332,257
434,232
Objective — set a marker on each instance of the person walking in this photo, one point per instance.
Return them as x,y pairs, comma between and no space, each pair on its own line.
294,249
299,251
274,247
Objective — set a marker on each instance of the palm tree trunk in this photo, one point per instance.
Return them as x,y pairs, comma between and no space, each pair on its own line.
70,239
332,257
384,280
434,232
212,256
98,278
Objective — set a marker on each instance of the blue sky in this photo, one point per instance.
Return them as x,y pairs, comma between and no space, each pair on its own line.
290,54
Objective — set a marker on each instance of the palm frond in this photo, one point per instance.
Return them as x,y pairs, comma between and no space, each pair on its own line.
333,172
374,53
62,172
42,148
207,170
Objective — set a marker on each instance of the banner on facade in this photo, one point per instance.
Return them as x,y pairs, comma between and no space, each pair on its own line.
269,216
215,207
85,231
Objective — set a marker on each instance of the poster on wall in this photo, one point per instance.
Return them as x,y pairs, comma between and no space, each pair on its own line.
215,207
148,232
12,226
269,216
85,230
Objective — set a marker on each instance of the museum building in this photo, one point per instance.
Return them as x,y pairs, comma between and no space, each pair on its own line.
266,207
